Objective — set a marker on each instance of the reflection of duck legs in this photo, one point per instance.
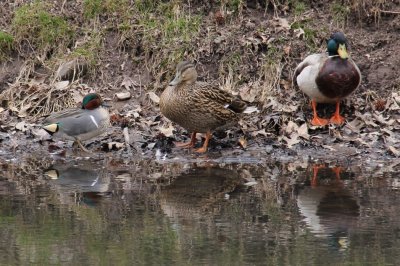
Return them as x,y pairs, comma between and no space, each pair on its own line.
337,170
314,179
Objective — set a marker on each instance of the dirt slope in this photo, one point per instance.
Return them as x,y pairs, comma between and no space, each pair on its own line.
250,48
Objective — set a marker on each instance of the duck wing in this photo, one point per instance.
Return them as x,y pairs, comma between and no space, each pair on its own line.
309,67
218,98
56,117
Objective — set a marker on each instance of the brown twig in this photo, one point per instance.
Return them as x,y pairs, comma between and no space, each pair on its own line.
389,12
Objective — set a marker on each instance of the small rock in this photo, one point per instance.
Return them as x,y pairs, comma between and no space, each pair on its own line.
123,96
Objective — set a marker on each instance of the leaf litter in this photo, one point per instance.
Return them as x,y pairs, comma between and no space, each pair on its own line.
283,120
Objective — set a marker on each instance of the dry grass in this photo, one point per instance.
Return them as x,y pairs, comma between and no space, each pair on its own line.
155,35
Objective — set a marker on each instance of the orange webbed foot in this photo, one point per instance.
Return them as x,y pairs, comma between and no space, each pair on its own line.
189,144
319,122
201,150
337,118
205,145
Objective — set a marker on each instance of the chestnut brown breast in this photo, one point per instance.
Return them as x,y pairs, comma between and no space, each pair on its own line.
338,78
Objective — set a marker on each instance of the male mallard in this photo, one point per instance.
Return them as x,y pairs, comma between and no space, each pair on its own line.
199,108
328,78
80,124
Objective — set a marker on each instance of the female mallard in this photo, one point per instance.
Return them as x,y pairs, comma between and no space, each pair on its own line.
199,108
80,124
328,78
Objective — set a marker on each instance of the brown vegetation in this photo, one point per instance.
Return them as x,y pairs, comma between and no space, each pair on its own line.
50,50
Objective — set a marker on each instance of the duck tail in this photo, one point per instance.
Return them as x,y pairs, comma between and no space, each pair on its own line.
51,128
250,109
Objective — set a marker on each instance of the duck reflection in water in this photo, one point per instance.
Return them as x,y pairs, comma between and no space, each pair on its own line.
328,207
195,193
85,181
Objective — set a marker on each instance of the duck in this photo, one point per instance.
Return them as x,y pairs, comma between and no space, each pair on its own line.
81,124
328,77
329,209
199,107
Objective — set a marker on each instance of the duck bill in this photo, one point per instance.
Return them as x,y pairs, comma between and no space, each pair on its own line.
175,81
342,51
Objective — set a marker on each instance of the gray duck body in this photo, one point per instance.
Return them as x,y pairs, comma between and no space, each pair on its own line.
80,124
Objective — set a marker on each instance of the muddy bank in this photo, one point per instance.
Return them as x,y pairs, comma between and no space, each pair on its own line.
249,49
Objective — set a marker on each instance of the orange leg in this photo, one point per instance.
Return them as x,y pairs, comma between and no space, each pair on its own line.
187,144
337,118
205,145
314,180
317,121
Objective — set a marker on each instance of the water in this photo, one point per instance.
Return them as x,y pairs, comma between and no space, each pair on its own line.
221,212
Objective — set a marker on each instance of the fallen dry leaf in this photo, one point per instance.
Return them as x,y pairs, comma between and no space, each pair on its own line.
243,142
248,94
394,150
293,140
22,126
61,85
303,131
154,97
167,131
260,132
127,83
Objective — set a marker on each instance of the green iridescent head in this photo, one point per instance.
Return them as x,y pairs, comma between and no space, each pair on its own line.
91,101
337,45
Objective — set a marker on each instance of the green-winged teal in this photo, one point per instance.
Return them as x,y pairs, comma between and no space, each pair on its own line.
80,124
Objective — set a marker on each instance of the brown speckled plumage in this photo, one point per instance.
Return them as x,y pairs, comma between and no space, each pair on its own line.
198,107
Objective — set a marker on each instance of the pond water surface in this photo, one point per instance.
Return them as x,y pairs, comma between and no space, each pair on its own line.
205,212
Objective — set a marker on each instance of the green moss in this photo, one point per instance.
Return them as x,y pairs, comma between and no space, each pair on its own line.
6,41
33,23
340,13
6,44
310,34
299,8
164,27
117,9
89,51
92,8
235,5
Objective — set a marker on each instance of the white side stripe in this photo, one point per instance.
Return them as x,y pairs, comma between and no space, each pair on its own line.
94,121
